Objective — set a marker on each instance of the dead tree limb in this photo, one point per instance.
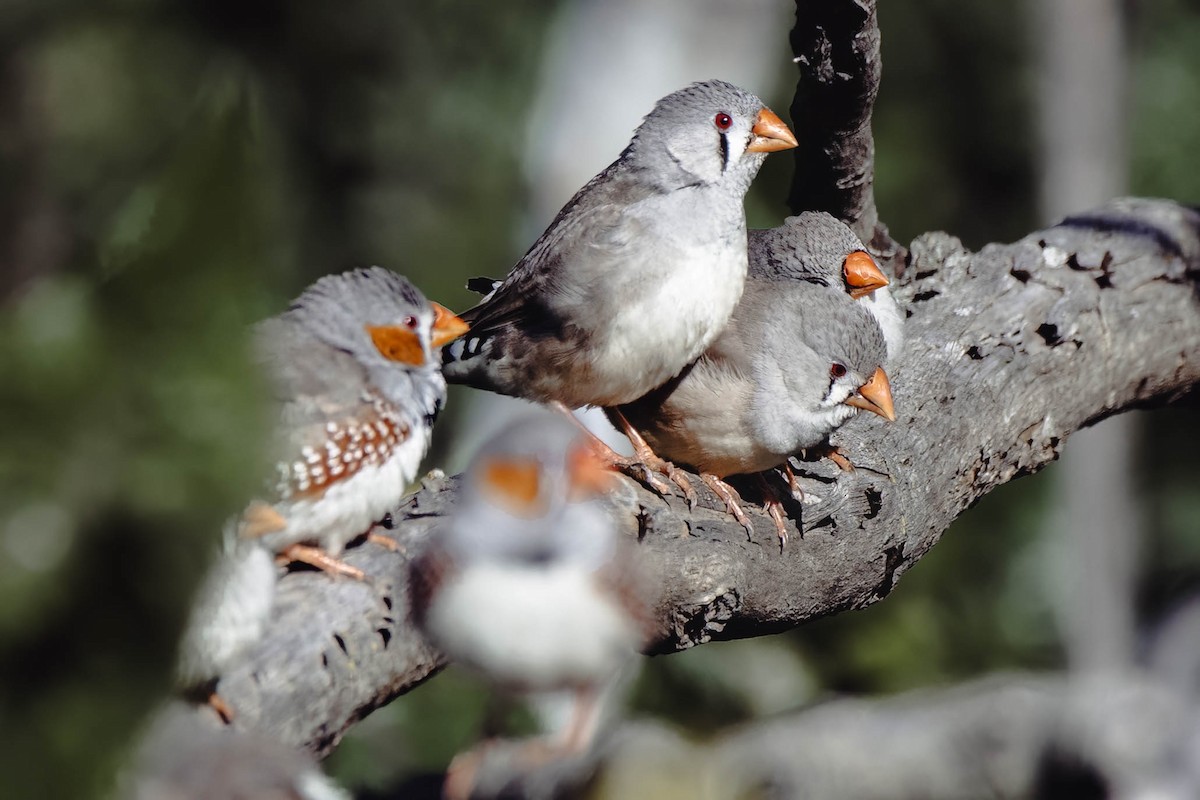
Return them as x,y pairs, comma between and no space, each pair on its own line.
1010,351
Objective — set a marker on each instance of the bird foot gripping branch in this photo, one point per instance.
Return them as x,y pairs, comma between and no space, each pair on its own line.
357,378
730,498
804,352
636,300
647,462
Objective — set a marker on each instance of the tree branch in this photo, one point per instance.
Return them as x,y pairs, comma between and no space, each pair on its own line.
1005,736
836,46
1010,350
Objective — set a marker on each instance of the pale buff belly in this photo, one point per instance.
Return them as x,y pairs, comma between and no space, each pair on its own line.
668,325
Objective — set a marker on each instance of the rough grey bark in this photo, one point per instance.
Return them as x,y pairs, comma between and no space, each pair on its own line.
1010,351
836,47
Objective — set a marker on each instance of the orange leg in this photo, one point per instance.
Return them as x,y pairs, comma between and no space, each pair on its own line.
793,484
834,455
316,557
774,508
385,542
462,773
731,499
223,709
652,460
644,466
530,754
581,730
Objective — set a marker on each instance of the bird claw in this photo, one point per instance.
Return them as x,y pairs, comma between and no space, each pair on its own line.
641,472
731,499
655,465
645,466
680,478
316,557
644,454
836,456
774,507
386,542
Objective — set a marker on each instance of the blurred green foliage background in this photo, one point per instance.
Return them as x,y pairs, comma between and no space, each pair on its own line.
172,171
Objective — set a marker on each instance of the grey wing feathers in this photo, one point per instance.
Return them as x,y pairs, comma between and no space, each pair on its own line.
313,384
525,301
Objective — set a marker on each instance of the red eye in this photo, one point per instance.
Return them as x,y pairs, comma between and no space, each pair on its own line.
723,121
837,370
410,321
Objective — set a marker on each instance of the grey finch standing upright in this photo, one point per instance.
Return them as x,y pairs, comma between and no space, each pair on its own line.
354,363
798,359
354,367
640,271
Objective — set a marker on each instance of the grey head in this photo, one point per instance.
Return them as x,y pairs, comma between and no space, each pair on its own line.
383,321
811,246
708,133
821,362
529,498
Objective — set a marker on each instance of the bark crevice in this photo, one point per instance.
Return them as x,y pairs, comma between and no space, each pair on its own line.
982,397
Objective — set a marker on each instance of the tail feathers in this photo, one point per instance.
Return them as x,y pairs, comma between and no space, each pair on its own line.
453,352
468,346
484,286
458,358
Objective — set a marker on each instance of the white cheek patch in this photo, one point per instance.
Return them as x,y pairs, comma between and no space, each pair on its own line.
837,395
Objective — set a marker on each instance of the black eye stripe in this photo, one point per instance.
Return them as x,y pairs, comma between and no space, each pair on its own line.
724,151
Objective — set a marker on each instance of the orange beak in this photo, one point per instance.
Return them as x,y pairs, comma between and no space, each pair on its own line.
770,134
875,396
447,326
862,274
513,484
